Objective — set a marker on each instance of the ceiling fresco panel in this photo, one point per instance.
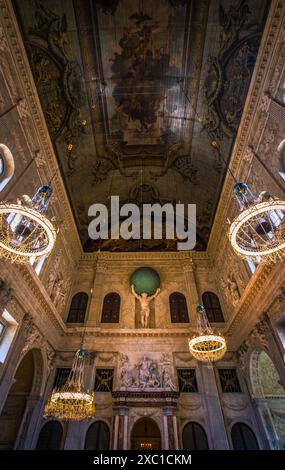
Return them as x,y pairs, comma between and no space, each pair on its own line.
115,79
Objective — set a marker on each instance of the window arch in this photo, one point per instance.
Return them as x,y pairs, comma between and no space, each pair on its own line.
213,307
111,308
194,437
97,437
178,308
243,438
78,308
7,166
50,436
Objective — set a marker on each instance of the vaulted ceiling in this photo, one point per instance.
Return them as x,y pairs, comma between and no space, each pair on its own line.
118,81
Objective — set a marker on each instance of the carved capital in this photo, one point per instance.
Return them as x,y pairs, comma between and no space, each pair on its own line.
31,333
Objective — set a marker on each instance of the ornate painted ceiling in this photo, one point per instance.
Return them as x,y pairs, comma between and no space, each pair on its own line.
118,81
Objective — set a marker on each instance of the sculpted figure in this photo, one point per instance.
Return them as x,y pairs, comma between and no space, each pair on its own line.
144,300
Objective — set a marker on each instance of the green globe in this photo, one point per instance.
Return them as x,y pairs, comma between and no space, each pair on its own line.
145,280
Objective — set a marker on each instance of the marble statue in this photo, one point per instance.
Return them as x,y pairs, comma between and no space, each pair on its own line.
166,381
233,288
144,300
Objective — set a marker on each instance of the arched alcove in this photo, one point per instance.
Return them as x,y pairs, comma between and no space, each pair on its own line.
97,437
50,436
243,438
194,437
145,435
27,381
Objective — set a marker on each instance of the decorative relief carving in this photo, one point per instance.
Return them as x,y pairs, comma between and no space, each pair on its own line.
6,294
106,357
50,355
3,41
239,403
58,288
23,109
241,355
146,374
33,339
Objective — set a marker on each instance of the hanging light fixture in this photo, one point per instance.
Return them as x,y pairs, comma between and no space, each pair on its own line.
25,230
205,345
72,401
258,231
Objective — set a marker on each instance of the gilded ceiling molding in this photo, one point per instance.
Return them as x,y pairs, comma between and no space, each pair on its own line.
256,91
31,104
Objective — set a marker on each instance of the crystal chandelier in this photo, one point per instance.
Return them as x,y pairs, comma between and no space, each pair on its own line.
258,231
206,346
25,230
72,401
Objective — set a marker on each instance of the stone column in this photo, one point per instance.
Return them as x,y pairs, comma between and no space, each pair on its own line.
126,425
165,432
74,435
116,431
120,441
170,427
175,431
212,405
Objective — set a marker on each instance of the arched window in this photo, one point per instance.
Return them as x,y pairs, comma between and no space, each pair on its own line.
78,308
111,308
194,437
97,437
243,438
178,308
213,308
50,436
7,166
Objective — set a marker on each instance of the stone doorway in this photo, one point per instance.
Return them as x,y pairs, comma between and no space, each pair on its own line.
145,435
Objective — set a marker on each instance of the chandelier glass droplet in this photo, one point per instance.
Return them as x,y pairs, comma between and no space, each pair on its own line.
205,345
72,401
258,231
25,231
